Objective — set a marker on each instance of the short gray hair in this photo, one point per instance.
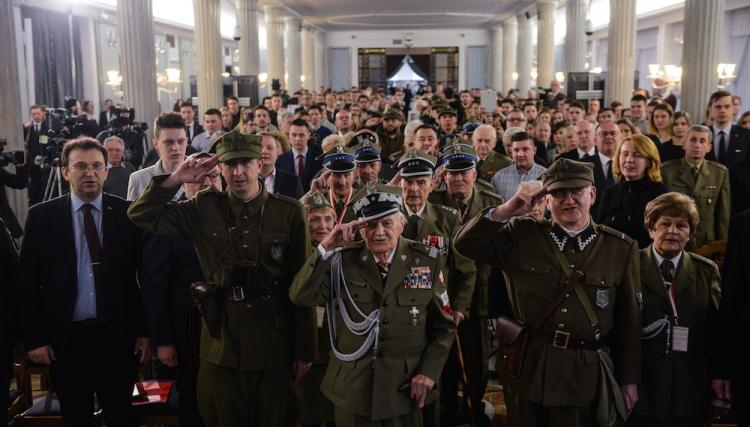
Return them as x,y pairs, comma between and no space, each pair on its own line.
510,132
114,138
702,129
493,132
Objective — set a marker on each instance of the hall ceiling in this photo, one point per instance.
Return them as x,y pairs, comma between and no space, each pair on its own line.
347,15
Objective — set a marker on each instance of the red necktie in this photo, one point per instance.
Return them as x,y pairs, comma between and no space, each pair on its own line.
95,252
300,165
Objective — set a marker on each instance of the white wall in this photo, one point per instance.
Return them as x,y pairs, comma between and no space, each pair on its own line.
461,38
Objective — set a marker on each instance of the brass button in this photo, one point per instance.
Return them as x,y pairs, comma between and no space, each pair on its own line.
567,296
385,321
215,234
563,310
561,326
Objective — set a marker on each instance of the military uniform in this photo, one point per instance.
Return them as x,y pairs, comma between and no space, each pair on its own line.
492,163
408,331
710,190
562,369
245,373
340,160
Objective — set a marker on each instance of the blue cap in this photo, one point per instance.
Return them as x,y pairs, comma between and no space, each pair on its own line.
458,157
339,159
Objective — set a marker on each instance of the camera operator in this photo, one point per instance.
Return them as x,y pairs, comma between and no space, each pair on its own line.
36,134
131,132
17,180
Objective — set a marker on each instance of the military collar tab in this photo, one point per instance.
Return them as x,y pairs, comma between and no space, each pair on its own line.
580,241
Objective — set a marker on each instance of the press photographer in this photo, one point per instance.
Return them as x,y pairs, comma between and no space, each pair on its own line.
131,132
35,134
17,180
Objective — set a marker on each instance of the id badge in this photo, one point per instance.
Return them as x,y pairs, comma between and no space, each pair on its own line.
43,139
680,338
321,314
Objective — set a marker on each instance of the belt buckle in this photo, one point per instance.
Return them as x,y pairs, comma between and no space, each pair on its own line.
238,294
561,336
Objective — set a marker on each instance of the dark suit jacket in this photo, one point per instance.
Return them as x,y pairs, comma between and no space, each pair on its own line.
739,185
8,279
32,137
600,180
17,180
287,184
738,143
197,130
313,164
47,283
103,119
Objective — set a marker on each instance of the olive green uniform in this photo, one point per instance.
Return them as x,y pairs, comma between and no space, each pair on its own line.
473,332
710,190
559,384
390,144
494,162
415,334
245,374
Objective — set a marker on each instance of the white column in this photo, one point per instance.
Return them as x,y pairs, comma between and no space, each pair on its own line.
321,60
523,55
621,51
11,114
700,54
138,59
545,41
497,58
510,30
208,53
247,19
575,35
275,40
293,54
308,58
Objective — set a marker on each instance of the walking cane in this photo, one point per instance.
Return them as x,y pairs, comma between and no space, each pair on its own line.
464,380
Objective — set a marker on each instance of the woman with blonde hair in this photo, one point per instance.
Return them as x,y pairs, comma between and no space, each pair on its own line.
636,168
681,122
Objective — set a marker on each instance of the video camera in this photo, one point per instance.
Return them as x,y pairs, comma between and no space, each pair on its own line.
133,133
15,157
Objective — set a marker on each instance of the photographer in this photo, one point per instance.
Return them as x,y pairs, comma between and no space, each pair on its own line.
17,180
36,134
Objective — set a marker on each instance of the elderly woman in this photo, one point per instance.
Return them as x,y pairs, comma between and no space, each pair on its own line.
680,294
639,181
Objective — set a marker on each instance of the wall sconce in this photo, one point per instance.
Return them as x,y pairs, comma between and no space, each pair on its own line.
114,81
169,81
302,78
596,70
664,79
262,78
560,76
725,73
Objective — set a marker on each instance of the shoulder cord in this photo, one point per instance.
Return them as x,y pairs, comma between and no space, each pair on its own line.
369,324
655,328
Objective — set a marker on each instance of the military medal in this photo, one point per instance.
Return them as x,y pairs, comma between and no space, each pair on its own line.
414,313
419,278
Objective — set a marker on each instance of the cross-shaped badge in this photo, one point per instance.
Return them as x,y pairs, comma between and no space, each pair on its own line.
414,312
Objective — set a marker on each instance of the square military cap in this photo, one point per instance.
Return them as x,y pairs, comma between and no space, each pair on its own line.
458,158
367,150
376,200
235,145
339,159
566,173
416,163
315,201
392,114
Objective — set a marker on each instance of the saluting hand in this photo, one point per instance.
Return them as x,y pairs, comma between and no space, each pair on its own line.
342,235
420,386
520,204
438,176
396,180
192,170
320,184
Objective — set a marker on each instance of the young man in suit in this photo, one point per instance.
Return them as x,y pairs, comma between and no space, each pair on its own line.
275,180
730,141
586,151
192,127
78,291
303,160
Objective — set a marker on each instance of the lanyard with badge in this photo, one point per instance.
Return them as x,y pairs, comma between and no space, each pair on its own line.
679,334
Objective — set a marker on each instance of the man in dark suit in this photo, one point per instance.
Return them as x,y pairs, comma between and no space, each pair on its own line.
36,134
8,278
107,113
730,142
192,127
275,180
79,302
586,152
303,160
17,180
739,185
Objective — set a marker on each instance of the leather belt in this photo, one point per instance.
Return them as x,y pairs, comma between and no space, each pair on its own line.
563,340
256,290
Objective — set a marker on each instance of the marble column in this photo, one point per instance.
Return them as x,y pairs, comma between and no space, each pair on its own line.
621,51
545,41
138,59
575,35
208,53
247,20
524,53
308,58
700,54
510,30
11,115
497,58
275,42
293,54
321,61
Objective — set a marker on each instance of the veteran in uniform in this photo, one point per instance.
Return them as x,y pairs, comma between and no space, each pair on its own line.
468,195
316,408
489,161
337,181
567,377
388,313
254,342
367,160
705,181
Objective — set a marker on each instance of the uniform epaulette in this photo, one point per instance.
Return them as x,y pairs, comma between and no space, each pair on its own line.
492,194
671,162
615,233
359,244
441,189
486,185
284,198
702,259
717,165
428,250
448,209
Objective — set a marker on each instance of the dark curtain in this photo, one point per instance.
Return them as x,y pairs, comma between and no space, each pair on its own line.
57,73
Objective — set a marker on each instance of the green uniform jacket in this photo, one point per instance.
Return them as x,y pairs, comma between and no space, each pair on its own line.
494,162
711,195
390,145
437,229
680,387
369,386
482,197
256,334
523,249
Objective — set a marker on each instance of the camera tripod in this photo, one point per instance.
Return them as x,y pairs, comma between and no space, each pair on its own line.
54,181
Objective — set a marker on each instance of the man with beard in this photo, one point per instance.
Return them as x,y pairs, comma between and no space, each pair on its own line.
262,120
391,138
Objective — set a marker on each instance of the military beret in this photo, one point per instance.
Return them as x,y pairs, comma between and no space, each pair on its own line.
314,201
376,200
566,173
235,145
392,114
339,159
416,163
458,157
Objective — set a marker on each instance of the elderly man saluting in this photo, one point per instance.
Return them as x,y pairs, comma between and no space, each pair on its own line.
575,294
388,314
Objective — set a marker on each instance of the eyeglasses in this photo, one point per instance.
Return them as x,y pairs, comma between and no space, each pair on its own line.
562,194
83,167
606,134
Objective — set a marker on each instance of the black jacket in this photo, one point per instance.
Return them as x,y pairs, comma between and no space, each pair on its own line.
738,145
739,180
8,279
18,180
47,283
600,180
287,184
313,164
623,204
